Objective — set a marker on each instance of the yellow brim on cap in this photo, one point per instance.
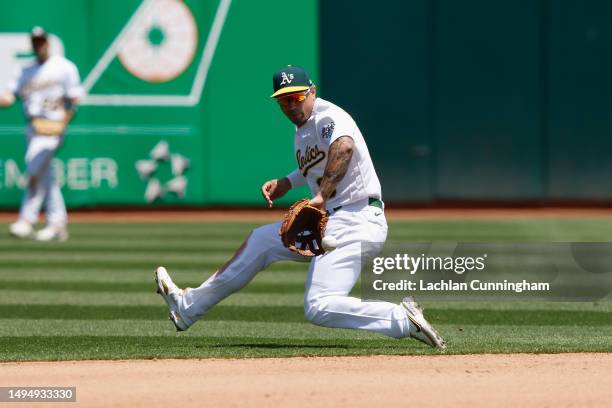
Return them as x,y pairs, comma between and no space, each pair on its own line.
288,90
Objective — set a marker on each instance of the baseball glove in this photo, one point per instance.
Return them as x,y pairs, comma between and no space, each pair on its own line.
48,127
303,229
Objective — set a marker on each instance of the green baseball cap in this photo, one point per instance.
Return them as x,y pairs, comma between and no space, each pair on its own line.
289,80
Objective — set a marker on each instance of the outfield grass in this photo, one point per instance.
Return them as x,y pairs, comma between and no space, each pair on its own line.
94,298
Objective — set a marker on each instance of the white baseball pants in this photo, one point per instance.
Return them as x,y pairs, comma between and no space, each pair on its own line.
330,276
45,192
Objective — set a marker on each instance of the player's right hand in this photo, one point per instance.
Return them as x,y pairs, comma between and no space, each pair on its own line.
273,189
268,189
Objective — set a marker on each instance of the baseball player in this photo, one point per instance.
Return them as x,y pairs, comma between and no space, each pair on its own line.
49,90
333,159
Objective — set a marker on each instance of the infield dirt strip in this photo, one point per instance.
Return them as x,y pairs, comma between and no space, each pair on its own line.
272,215
558,380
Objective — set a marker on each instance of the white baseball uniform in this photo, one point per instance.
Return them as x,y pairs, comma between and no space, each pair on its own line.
352,222
43,89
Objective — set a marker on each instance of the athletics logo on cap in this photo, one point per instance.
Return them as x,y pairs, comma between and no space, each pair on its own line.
286,79
290,80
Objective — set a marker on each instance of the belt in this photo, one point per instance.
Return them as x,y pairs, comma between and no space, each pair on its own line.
374,202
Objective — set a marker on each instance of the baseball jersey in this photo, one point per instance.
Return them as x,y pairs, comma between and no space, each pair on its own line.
44,87
327,123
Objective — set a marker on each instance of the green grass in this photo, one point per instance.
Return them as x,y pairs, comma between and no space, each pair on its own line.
93,298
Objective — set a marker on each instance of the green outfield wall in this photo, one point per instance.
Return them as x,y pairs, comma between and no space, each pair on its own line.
177,107
471,100
504,100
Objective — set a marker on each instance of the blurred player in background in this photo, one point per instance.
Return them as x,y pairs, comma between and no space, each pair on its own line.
49,90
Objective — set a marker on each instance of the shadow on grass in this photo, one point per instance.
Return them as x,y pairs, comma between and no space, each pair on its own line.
111,347
57,348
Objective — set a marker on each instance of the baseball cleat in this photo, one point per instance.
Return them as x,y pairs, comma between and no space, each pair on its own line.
420,328
21,229
172,296
52,233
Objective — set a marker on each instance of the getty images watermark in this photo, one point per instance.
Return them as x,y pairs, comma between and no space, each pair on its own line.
459,265
487,271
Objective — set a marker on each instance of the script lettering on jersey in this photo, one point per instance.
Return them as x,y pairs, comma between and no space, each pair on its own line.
312,156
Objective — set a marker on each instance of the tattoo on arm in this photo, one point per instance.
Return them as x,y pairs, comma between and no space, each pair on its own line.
338,159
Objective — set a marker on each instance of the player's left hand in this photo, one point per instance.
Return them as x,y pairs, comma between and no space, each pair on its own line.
318,201
303,228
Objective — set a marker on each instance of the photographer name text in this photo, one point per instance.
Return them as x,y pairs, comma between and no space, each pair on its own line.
452,286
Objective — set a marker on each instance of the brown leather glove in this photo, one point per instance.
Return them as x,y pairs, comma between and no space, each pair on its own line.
303,229
48,127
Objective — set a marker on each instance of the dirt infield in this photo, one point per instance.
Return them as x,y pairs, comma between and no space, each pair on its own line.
266,215
560,380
